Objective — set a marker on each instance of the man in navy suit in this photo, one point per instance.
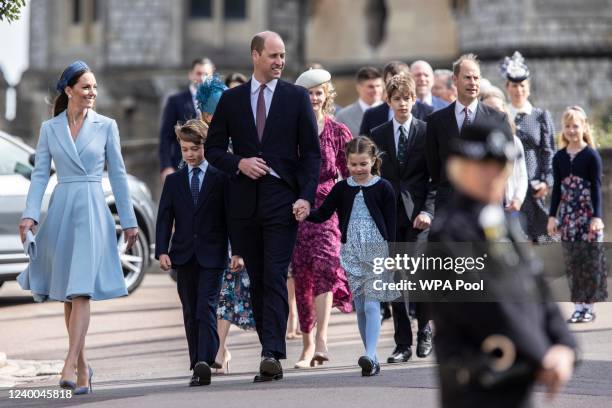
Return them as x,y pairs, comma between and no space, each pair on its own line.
424,77
446,123
402,139
193,202
380,114
274,164
180,107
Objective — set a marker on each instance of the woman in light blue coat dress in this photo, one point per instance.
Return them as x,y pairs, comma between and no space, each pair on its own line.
77,258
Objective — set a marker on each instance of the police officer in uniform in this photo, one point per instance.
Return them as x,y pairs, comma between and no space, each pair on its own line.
491,354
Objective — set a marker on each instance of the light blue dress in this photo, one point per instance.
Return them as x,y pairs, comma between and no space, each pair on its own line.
77,243
364,243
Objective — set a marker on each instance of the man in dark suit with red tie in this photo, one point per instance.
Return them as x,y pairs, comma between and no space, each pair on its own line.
446,123
274,163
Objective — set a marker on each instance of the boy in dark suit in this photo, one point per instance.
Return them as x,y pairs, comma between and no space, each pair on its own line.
404,165
193,201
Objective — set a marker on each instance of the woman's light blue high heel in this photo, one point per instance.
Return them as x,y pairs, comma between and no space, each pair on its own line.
86,389
67,384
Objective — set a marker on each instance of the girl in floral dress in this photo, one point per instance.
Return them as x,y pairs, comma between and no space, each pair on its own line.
576,211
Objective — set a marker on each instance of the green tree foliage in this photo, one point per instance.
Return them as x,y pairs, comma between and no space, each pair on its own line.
11,9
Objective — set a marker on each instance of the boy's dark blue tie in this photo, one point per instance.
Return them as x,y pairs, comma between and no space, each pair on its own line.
195,184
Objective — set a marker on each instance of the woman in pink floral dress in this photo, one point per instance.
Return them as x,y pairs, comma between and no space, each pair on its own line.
320,281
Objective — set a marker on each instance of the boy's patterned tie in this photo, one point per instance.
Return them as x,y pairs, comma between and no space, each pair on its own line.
402,147
195,184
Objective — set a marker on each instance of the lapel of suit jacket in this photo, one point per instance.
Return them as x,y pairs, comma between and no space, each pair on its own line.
411,142
62,133
274,111
207,186
451,122
184,187
91,126
245,99
480,113
188,105
389,140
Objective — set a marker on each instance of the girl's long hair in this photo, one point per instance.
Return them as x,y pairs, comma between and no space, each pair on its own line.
577,114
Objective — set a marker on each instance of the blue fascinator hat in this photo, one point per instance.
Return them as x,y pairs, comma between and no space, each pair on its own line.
71,70
514,68
209,92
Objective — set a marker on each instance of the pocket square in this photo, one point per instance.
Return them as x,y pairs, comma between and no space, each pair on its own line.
29,245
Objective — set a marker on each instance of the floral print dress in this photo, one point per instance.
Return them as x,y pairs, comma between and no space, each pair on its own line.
583,250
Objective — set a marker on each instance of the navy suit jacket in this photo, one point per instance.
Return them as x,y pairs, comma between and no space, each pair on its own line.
410,182
290,143
378,115
199,229
179,108
441,128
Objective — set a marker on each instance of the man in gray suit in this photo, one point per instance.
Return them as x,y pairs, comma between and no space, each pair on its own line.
370,90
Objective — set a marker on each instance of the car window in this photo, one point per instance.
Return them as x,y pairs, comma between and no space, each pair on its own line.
13,159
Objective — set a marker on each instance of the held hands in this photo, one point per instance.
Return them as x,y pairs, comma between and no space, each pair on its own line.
557,368
540,190
253,167
237,263
421,222
164,262
595,227
26,225
301,209
129,236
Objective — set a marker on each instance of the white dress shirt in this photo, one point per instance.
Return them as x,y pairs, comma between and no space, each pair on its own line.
203,166
268,95
460,115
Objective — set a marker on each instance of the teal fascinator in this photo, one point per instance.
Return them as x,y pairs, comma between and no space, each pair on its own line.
209,92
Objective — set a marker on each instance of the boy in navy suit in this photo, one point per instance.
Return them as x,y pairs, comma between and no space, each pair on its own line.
405,166
193,201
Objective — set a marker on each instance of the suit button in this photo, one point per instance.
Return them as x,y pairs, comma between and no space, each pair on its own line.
195,235
259,153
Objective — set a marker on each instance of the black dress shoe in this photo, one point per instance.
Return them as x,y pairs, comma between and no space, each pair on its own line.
201,373
195,381
400,355
368,366
424,343
270,369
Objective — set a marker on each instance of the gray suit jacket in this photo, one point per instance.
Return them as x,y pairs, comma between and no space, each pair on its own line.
351,116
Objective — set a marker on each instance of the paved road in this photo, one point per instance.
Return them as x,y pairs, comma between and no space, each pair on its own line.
138,350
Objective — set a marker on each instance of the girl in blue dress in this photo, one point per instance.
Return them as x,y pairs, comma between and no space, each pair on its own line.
77,257
576,212
365,204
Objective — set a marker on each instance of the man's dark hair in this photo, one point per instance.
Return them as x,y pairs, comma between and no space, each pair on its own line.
201,61
395,67
366,73
259,40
